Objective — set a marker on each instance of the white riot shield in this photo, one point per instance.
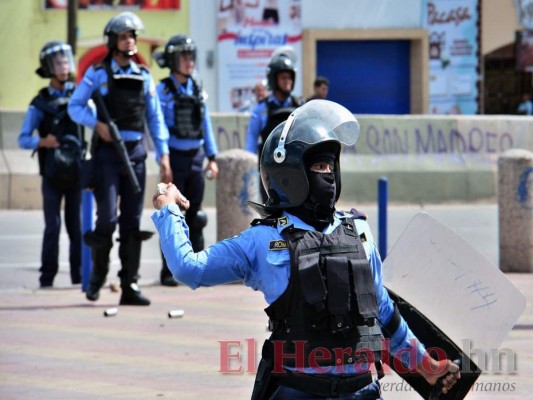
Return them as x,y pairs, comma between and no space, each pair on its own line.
450,295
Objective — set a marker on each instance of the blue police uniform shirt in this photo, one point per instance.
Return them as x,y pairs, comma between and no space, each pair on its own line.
80,110
258,121
34,117
248,258
525,107
167,105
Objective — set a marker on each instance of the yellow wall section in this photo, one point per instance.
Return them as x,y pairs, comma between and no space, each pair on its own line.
25,26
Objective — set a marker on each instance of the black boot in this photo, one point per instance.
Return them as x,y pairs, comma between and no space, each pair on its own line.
132,296
130,257
100,249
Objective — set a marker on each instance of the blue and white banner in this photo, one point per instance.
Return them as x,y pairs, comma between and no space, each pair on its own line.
453,28
248,33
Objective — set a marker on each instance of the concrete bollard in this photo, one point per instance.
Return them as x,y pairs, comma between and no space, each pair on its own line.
237,182
515,210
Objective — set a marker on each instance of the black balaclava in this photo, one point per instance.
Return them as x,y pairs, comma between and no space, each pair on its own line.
319,207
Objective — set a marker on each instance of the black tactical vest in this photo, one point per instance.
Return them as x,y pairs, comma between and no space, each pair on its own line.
188,112
125,99
330,302
276,115
56,119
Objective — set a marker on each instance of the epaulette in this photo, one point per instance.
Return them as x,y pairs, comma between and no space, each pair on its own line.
272,222
358,214
144,67
98,66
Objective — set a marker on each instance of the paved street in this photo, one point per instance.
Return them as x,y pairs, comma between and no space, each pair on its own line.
56,345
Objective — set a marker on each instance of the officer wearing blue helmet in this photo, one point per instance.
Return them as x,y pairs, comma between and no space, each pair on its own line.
270,112
318,268
130,97
47,115
191,135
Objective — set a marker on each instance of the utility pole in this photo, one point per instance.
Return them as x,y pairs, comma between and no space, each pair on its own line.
72,23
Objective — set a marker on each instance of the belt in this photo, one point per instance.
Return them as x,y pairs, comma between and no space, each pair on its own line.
324,386
184,153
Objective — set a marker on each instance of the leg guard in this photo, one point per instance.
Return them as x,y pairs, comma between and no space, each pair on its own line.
196,220
100,248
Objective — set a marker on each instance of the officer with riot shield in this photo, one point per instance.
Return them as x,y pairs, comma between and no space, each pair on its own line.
131,101
191,135
60,148
319,270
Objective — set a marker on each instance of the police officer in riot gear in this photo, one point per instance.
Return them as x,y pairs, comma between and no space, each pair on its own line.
131,100
47,114
269,113
318,268
191,135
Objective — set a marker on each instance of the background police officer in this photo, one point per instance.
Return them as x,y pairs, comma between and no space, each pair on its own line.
191,135
319,269
131,99
47,114
269,113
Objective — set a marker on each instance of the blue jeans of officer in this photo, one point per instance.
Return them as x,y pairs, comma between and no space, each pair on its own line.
370,392
52,220
113,183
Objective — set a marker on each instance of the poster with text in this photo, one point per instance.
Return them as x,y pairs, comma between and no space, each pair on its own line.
453,30
118,5
248,33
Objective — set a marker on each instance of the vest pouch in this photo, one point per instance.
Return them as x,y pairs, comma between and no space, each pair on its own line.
364,289
62,164
314,290
338,283
188,118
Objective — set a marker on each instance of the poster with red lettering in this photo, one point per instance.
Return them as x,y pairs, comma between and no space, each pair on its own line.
454,55
121,5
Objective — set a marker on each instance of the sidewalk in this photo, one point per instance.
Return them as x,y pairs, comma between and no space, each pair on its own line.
56,345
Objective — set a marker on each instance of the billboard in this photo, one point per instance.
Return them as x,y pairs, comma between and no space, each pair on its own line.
453,29
248,32
118,5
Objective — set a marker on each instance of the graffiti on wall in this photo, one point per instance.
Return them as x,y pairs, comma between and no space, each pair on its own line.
433,140
389,138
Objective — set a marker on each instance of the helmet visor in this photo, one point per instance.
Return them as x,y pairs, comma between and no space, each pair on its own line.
321,120
59,60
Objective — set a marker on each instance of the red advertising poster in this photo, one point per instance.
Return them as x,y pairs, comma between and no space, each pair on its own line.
115,4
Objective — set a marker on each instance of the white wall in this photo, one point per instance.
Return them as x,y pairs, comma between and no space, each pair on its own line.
203,25
316,14
361,14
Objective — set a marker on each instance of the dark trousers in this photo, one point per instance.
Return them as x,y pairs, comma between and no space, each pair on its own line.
188,176
112,183
52,220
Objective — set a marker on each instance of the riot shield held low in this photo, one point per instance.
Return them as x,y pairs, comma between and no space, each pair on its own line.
449,294
433,337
